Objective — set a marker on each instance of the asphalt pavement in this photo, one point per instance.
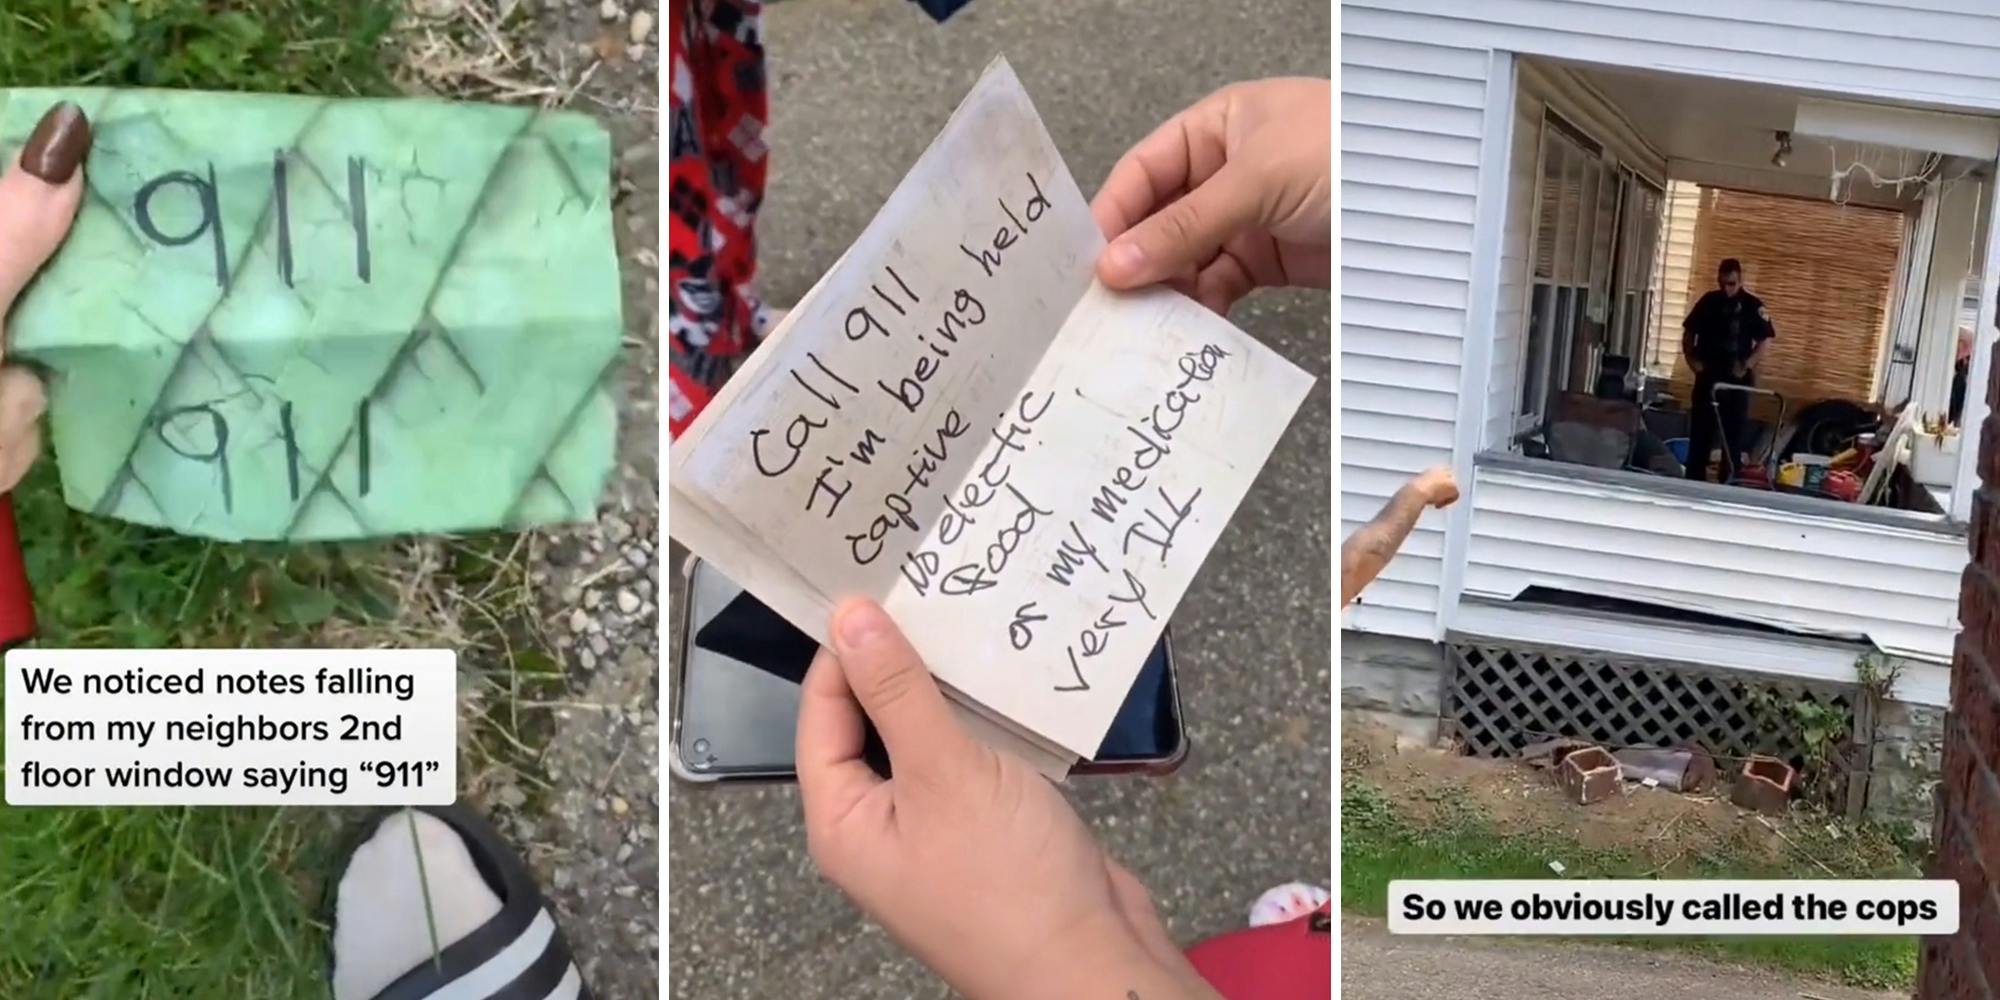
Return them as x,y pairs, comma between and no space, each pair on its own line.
1377,966
859,88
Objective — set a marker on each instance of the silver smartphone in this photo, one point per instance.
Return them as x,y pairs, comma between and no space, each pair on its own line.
737,695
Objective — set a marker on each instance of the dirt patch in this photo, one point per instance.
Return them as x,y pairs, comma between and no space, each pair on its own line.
1433,787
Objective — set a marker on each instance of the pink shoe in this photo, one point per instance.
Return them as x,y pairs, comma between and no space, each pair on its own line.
1287,902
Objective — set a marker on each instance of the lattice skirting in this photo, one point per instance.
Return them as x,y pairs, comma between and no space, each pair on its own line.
1498,700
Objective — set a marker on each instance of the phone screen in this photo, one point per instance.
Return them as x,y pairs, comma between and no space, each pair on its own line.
739,693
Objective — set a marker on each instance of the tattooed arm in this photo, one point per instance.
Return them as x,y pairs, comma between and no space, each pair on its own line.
1369,549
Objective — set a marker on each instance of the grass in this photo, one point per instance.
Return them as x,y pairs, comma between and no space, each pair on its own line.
210,903
143,903
170,902
223,902
201,903
331,47
1379,843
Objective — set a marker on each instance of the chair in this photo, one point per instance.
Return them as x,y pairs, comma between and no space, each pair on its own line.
1612,372
1586,430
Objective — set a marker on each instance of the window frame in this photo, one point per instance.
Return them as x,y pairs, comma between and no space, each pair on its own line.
1562,318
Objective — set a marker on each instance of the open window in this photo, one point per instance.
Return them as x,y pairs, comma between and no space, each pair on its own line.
1862,230
1576,244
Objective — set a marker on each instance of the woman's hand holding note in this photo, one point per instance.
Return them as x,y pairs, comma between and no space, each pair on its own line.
1233,194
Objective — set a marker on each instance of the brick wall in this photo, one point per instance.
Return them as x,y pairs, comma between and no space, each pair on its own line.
1967,966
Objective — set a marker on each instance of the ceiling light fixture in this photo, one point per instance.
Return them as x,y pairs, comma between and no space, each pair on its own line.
1784,153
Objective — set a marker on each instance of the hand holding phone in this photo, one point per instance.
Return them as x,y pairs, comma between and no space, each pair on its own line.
737,698
967,856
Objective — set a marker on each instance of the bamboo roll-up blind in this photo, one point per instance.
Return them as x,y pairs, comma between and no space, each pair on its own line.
1824,271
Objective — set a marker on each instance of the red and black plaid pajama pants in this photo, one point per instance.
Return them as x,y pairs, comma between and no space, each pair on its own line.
717,161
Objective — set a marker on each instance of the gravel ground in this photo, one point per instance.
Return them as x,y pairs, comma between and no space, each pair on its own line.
1376,966
859,89
589,825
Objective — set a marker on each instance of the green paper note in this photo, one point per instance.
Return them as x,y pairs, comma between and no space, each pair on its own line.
300,318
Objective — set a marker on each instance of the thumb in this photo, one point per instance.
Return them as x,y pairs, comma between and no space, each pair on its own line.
895,689
1186,234
39,195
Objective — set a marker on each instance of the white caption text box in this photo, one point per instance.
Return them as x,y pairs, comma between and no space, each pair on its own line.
317,727
1673,907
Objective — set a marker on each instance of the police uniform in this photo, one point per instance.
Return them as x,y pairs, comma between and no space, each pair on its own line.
1725,330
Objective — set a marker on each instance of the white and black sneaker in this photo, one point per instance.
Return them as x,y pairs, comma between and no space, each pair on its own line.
434,905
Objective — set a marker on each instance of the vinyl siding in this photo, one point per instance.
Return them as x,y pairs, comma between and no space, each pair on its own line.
1939,51
1411,117
1896,586
1677,257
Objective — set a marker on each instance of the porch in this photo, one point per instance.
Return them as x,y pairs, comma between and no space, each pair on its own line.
1622,188
1873,575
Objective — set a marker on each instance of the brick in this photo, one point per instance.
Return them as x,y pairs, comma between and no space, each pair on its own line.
1970,665
1985,533
1988,665
1989,453
1983,926
1959,977
1967,664
1590,775
1938,813
1952,966
1966,966
1988,443
1982,816
1975,601
1955,777
1765,785
1982,684
1977,705
1932,961
1971,890
1993,385
1950,982
1951,856
1985,640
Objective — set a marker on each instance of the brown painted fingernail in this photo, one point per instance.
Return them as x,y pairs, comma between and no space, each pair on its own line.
61,140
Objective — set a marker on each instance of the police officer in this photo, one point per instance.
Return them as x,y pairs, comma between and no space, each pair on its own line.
1723,337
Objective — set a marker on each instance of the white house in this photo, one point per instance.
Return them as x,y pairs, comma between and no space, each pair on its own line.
1506,226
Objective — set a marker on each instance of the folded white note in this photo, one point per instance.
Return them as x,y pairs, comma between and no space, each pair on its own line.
1025,468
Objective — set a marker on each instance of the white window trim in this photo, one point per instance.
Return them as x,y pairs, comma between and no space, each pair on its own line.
1527,419
1482,313
1523,422
1973,419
